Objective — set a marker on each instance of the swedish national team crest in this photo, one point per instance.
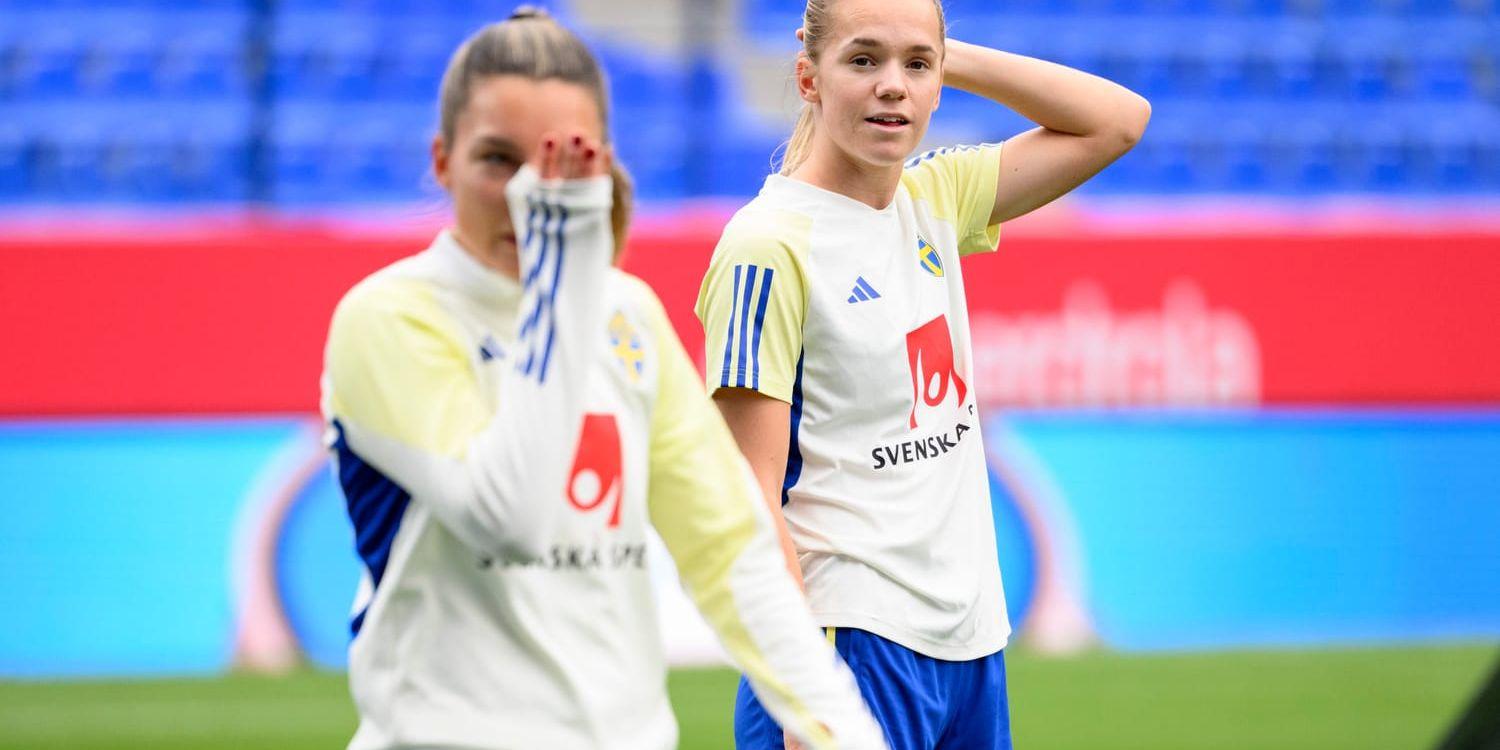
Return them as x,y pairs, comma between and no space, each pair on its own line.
928,257
627,346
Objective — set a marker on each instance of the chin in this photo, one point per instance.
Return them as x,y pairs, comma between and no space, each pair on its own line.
885,157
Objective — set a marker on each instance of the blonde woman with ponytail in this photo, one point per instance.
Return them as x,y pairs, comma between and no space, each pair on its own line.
509,414
838,350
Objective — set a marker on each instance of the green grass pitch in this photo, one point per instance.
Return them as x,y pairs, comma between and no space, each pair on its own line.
1398,698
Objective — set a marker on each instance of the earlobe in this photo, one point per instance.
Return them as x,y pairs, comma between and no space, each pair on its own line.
440,161
807,81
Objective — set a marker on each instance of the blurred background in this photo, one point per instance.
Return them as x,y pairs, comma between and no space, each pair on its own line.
1242,388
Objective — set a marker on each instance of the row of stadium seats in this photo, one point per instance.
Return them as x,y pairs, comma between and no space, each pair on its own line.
54,55
187,151
772,20
127,101
321,57
314,155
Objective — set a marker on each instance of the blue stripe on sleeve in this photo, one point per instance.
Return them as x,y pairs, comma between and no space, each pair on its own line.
538,239
376,506
745,324
794,447
729,334
760,319
531,221
562,223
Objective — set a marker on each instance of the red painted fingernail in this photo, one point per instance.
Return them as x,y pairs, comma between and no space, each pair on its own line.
577,140
588,153
549,144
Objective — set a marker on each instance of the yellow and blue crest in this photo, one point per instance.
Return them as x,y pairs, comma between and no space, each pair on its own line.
627,346
928,257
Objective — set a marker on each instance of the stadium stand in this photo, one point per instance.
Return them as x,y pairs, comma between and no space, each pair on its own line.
312,102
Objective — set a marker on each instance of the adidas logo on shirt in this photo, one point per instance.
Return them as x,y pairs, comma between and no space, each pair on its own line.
488,349
863,292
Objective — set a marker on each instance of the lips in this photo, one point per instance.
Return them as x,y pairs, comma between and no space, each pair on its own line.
891,121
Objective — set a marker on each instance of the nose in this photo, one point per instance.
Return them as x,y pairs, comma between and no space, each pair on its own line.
891,85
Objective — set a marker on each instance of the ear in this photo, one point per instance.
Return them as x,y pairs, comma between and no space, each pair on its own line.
807,81
440,156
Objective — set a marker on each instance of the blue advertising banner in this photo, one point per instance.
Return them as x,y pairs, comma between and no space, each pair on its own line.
192,546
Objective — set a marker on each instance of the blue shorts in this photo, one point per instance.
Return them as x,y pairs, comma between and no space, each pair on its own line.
922,703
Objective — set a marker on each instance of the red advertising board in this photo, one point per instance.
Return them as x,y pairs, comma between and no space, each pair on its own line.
232,319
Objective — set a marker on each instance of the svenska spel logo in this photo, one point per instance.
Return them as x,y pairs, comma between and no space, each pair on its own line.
928,258
597,467
929,353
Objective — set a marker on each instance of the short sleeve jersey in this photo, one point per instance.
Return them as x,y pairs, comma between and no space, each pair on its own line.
856,317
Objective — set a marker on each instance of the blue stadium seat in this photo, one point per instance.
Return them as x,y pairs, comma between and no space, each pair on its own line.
1293,64
324,154
772,22
642,80
46,60
206,58
78,160
213,156
410,65
650,143
739,161
118,62
1388,157
1225,73
323,56
1247,158
15,162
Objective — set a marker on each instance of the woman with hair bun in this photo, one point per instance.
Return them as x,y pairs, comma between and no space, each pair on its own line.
509,414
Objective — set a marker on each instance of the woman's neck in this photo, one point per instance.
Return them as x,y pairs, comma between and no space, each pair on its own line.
834,171
500,257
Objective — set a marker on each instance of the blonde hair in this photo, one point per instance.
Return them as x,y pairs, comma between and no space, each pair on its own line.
533,45
815,29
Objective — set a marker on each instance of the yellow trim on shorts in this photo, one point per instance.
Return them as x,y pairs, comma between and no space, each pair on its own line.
830,632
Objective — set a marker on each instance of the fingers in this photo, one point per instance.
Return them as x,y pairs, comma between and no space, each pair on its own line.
547,161
572,154
605,160
572,157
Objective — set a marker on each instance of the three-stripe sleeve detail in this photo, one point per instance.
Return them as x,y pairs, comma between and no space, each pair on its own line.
750,297
744,324
760,320
542,251
729,334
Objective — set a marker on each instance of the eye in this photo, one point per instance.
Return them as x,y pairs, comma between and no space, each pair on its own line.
862,61
919,65
498,158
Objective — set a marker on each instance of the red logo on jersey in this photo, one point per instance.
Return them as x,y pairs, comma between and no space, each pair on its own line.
929,351
597,476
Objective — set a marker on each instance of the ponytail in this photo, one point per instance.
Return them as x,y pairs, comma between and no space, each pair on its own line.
800,142
624,203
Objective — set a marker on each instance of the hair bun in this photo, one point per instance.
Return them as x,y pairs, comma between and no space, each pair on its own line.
528,11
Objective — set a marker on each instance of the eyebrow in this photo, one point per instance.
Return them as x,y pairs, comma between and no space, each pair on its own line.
495,141
861,41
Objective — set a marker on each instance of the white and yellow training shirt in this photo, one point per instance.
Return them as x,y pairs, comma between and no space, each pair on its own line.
856,317
502,446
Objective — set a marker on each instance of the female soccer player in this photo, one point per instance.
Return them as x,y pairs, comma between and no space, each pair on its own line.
507,413
834,303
